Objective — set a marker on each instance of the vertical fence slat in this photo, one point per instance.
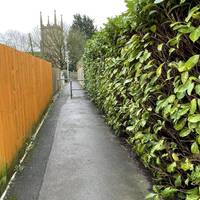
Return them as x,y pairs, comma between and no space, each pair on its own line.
25,92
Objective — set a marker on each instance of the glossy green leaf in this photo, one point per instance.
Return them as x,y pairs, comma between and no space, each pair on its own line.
180,124
192,197
193,106
187,165
130,128
175,41
197,89
171,98
153,28
194,118
159,70
181,66
190,88
171,50
191,62
178,180
158,1
198,139
185,132
182,1
197,130
196,15
184,77
168,192
195,34
195,148
150,196
186,29
160,47
191,12
171,167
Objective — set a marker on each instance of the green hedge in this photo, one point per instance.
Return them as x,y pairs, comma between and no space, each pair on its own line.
143,71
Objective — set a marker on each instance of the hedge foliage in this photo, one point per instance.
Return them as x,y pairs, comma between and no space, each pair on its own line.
143,71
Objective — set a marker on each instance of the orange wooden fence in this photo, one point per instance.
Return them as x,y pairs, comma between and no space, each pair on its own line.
25,92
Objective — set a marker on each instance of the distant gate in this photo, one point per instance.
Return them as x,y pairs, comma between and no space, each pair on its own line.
74,89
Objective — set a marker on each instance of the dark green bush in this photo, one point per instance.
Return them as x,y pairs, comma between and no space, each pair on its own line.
143,71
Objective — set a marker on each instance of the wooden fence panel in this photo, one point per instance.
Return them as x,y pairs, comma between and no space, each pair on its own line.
25,92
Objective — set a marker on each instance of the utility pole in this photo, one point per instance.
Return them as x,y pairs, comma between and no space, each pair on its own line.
68,78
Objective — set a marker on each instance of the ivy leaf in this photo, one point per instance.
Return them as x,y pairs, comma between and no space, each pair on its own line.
194,118
195,148
194,35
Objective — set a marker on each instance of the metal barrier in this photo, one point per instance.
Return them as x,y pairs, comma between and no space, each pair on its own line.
71,88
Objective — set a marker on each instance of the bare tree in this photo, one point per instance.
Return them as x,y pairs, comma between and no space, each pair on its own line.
16,40
49,43
53,47
36,38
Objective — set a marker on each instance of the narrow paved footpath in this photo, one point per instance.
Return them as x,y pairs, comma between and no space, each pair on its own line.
87,161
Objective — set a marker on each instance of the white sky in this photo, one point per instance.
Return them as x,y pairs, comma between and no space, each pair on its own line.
23,15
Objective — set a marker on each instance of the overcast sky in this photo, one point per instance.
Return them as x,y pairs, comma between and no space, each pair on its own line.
23,15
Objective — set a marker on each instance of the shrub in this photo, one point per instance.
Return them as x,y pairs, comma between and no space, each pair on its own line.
142,70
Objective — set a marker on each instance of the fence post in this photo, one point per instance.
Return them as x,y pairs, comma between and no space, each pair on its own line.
71,89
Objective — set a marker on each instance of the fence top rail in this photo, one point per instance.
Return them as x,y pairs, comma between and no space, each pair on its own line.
3,46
